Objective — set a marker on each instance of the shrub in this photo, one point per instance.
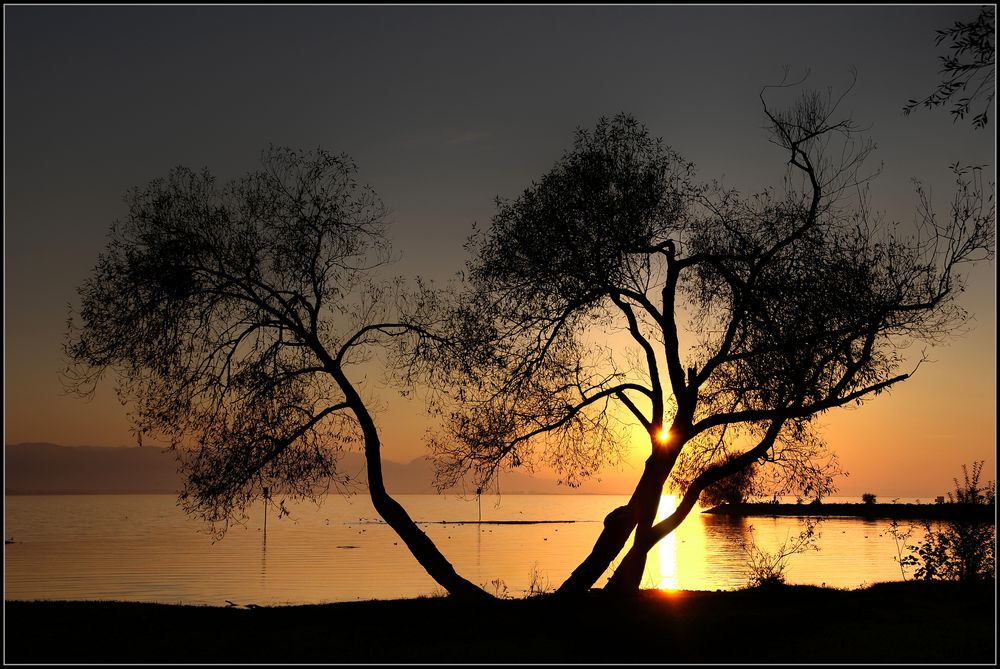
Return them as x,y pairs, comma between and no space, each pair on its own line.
899,537
960,549
498,587
765,568
538,585
868,498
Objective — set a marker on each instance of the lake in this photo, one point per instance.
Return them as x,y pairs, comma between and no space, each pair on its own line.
144,548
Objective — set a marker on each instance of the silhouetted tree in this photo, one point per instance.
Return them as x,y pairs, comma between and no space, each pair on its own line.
972,63
788,303
233,317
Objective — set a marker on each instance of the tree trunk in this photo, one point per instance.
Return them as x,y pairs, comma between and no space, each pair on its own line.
638,514
420,545
628,576
618,526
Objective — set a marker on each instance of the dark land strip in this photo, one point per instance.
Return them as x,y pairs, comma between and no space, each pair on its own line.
900,622
977,512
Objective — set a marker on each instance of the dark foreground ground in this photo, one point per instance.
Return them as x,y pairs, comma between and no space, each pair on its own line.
888,623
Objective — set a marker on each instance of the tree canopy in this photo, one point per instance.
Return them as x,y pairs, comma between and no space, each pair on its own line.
233,317
789,302
969,71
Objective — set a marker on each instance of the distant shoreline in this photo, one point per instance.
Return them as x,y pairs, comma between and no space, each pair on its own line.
501,522
21,492
37,493
905,511
41,493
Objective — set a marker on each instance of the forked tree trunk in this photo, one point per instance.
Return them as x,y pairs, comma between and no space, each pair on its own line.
638,514
628,577
420,545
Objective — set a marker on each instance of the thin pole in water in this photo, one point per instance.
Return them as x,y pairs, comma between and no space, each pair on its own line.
265,514
479,499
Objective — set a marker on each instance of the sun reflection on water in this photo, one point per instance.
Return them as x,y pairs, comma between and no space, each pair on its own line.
667,548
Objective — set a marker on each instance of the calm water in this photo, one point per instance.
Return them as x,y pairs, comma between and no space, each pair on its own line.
143,548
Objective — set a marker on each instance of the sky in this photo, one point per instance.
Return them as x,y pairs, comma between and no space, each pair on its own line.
444,108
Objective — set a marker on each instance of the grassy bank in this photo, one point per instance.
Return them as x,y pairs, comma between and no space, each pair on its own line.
889,622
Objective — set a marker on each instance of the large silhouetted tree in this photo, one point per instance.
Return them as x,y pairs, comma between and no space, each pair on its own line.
746,315
233,317
969,71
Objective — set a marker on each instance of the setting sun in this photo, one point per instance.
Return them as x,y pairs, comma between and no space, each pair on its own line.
664,436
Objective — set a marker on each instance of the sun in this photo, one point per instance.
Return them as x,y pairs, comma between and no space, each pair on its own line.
663,436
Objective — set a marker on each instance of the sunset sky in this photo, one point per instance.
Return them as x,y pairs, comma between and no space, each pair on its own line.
444,109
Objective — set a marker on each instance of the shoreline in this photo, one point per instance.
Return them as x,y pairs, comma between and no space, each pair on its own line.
899,511
896,622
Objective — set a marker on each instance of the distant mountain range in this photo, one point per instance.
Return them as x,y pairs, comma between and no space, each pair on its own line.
41,468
